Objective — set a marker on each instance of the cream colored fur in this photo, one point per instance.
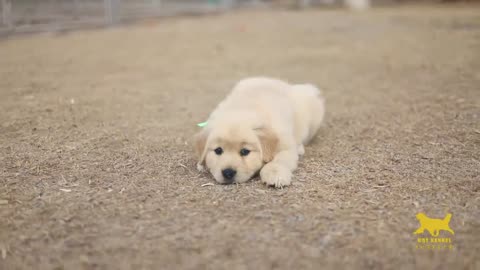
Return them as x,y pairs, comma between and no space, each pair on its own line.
270,118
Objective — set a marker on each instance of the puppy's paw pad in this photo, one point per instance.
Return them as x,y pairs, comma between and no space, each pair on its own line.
275,175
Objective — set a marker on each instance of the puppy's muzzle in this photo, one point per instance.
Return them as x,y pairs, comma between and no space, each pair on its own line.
229,175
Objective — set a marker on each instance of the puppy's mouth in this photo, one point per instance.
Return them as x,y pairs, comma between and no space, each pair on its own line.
228,181
234,180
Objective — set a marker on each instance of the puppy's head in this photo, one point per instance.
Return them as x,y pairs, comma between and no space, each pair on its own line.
234,153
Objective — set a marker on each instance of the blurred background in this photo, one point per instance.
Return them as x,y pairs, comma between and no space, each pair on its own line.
23,16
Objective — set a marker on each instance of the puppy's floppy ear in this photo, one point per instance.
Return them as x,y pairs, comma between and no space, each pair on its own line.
268,142
200,143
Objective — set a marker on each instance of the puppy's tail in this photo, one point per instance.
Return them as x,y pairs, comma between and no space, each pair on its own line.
308,90
447,218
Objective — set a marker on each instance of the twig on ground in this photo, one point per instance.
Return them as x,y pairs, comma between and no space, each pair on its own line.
207,184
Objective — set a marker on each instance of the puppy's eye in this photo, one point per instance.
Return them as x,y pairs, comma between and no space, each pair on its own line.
244,152
218,151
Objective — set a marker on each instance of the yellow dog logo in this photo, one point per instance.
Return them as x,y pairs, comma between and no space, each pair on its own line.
432,225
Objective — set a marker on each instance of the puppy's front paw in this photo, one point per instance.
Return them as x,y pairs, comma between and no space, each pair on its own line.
276,175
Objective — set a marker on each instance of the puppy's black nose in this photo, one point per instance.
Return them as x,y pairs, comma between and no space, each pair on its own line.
228,174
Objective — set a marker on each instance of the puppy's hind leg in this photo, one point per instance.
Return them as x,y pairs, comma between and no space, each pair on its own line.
301,150
310,105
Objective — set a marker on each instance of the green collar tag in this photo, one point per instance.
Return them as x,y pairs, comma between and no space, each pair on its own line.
203,124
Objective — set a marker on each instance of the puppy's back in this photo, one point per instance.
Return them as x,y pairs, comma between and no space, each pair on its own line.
299,107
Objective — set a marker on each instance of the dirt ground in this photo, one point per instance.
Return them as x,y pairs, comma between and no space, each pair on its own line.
97,170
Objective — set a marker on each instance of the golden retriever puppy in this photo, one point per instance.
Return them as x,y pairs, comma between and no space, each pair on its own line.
262,126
